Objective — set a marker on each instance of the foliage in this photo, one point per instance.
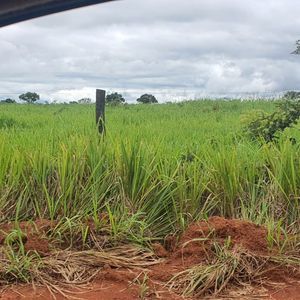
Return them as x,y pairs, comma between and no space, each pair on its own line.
73,102
84,101
268,126
292,95
29,97
158,168
6,122
147,99
8,100
297,51
114,99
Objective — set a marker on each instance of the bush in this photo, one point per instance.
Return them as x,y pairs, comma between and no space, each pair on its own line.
291,95
258,124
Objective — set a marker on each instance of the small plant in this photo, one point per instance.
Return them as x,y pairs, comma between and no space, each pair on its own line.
143,285
16,263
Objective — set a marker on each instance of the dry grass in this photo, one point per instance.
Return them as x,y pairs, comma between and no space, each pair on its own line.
64,269
229,268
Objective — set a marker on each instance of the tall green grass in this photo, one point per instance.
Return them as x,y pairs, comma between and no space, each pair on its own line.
158,168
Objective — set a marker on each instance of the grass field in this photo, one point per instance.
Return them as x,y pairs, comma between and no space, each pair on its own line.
158,169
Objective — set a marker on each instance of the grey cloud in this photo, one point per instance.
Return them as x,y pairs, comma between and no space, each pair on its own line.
168,47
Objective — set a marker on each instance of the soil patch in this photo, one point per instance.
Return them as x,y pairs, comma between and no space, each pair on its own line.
243,234
33,234
194,247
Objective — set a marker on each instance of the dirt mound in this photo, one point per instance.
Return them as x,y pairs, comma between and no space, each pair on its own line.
196,244
33,234
237,233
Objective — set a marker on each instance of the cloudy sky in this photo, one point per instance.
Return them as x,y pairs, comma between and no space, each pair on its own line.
172,48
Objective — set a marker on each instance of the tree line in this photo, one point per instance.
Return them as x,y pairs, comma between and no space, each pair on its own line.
111,99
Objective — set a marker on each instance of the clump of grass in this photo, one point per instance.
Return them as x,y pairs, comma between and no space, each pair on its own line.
16,263
228,268
6,122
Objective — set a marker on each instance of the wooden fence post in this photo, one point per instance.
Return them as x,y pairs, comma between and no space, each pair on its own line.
100,110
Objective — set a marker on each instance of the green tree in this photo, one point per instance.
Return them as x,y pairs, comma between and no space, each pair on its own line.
146,99
114,99
30,97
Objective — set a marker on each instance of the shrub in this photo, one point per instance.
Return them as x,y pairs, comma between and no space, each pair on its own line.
291,95
262,125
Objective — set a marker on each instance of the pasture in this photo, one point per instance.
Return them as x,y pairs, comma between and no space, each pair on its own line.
158,170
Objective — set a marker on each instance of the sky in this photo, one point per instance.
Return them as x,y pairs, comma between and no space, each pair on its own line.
173,49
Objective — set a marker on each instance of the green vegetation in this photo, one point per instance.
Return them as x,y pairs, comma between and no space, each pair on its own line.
147,99
29,97
8,100
162,166
268,126
114,99
158,169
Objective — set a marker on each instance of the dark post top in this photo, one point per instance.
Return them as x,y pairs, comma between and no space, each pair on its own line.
100,110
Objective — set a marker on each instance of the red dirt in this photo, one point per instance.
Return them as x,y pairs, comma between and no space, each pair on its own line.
38,244
106,290
286,292
286,285
191,250
112,284
33,235
127,284
159,250
242,234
